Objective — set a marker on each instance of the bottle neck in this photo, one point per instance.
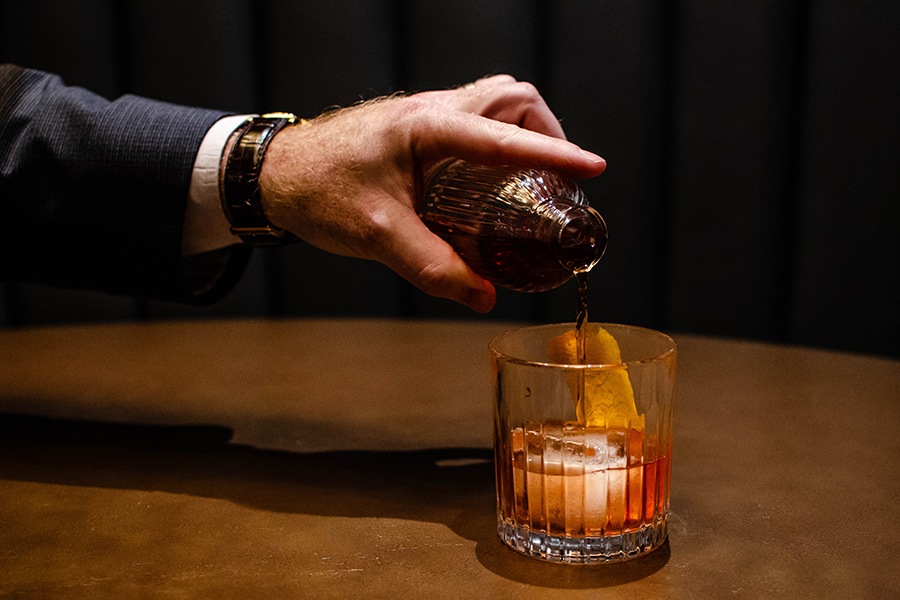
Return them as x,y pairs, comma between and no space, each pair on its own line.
577,233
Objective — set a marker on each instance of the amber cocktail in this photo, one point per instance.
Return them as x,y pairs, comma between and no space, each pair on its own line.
583,451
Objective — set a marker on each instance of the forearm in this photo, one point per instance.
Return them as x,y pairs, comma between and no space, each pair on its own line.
94,190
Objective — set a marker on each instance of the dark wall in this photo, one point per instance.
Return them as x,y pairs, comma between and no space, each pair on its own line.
752,187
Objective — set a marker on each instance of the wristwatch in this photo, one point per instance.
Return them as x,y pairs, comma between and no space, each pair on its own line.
239,184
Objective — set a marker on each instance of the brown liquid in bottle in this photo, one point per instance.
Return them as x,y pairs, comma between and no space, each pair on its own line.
525,229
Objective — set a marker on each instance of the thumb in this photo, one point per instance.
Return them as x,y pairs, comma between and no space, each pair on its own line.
431,264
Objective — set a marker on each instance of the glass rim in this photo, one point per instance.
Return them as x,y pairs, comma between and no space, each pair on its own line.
495,352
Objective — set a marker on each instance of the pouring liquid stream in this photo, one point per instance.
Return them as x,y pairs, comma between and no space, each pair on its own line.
581,319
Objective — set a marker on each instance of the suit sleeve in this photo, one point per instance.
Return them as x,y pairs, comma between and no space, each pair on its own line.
93,192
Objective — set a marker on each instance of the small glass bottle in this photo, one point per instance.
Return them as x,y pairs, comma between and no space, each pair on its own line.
526,229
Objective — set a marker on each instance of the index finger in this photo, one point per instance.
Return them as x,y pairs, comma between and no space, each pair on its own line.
486,141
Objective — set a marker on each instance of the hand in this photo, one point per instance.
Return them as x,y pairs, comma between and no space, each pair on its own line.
347,182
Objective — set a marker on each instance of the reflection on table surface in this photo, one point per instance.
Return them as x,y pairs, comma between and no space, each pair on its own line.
338,457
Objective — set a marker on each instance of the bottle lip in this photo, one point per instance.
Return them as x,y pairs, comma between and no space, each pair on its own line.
573,233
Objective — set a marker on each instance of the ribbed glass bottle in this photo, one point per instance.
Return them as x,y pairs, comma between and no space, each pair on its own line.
525,229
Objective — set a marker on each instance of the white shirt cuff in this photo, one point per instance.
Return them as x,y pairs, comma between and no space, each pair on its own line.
205,227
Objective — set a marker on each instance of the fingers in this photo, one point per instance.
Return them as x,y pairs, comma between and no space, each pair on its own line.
486,141
430,264
498,120
502,98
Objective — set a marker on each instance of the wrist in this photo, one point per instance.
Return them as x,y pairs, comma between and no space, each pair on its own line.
286,179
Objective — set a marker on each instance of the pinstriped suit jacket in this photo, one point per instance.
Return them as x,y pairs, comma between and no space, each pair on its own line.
93,192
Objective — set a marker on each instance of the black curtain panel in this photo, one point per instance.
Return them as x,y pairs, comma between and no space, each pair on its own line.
752,188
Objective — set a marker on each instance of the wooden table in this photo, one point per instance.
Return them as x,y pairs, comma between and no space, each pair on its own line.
302,458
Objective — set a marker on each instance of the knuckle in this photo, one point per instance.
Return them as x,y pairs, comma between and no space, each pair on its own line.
415,106
374,228
413,114
499,78
528,91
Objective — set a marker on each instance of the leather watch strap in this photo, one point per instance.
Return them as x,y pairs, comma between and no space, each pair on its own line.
240,182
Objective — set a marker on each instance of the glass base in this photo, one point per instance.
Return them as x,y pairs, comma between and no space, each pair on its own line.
583,550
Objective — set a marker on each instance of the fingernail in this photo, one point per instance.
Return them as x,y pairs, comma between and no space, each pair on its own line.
594,158
598,163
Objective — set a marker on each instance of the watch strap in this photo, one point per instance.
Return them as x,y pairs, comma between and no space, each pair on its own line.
239,190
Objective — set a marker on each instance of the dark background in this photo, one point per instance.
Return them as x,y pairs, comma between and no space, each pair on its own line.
752,188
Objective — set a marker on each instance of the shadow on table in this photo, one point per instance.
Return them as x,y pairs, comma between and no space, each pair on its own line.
452,486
